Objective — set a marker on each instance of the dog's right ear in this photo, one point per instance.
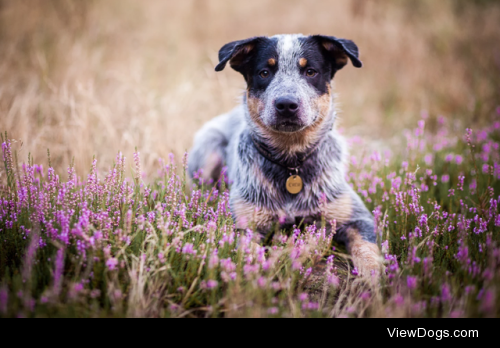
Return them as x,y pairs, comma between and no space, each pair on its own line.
238,53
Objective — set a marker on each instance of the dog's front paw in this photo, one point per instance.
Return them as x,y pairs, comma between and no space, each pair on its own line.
367,259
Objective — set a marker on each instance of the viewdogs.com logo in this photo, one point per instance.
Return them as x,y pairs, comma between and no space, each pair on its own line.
437,334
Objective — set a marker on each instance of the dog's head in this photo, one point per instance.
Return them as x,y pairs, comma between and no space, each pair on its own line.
288,76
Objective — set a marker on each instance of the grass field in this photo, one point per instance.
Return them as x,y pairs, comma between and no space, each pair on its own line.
89,237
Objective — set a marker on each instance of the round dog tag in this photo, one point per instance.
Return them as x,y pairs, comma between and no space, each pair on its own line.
294,184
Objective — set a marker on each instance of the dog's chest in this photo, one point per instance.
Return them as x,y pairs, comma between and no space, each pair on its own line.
260,185
264,184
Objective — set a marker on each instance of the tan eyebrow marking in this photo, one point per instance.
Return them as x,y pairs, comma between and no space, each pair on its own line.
302,62
271,62
328,45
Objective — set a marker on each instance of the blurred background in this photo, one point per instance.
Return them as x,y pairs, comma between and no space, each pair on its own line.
94,77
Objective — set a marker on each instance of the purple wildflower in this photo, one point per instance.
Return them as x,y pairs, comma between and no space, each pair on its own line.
211,284
411,282
333,280
112,263
188,249
272,311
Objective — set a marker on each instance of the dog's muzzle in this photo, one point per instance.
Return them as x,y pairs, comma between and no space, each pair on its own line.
287,107
287,110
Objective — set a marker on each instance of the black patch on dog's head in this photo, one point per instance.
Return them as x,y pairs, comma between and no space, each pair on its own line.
338,51
265,55
249,57
238,53
317,60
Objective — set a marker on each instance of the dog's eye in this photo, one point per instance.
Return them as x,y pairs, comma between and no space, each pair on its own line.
311,72
264,74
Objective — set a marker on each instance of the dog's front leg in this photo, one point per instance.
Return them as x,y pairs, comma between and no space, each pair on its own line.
355,228
365,253
246,214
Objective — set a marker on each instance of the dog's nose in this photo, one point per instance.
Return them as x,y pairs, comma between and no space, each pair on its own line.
287,106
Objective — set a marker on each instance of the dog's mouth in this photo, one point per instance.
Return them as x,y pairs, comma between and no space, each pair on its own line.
287,126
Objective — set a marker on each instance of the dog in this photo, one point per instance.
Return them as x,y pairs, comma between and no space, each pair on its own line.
283,155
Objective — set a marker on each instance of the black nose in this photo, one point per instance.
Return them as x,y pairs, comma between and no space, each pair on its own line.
286,106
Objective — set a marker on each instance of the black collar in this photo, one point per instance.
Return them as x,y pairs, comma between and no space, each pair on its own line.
293,163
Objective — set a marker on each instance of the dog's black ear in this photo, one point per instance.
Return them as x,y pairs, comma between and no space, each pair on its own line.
339,50
238,53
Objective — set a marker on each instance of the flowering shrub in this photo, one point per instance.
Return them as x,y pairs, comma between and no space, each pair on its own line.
114,246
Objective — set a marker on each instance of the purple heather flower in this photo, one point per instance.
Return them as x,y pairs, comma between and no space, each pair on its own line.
78,287
423,220
398,299
296,265
445,293
428,159
137,162
365,295
276,286
188,249
262,282
468,134
456,314
112,263
375,157
488,302
385,247
333,280
473,185
303,297
228,265
214,261
411,282
161,257
211,284
312,306
272,311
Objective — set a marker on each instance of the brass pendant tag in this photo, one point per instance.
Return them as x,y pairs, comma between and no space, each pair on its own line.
294,184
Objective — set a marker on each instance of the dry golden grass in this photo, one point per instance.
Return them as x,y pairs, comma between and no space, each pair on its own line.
88,78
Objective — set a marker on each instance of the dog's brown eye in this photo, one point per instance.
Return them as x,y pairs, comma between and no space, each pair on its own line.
311,72
264,74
